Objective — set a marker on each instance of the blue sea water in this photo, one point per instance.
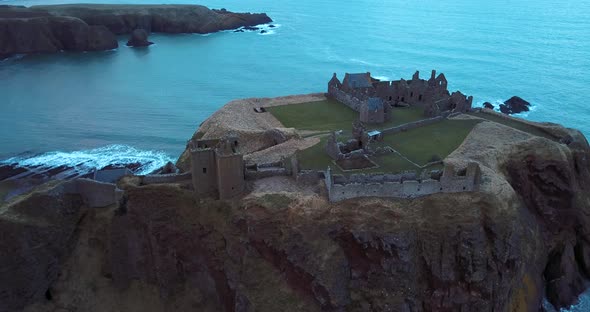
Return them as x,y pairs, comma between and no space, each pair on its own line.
143,104
153,99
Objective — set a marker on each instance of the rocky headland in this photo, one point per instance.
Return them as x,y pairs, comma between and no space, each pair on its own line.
93,27
524,235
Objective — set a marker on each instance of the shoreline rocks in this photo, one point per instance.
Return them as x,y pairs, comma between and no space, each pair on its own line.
93,27
514,105
139,38
488,105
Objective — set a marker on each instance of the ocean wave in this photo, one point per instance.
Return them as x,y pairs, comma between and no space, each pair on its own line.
268,30
582,304
85,161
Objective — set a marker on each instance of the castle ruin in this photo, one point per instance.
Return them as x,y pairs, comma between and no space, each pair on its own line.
374,99
217,168
406,185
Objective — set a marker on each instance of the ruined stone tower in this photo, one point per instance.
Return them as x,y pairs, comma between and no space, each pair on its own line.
217,168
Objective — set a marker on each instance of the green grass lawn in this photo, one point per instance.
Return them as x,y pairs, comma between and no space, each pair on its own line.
333,115
321,115
440,139
514,124
316,158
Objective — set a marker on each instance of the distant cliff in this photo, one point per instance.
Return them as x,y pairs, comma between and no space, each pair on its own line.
92,27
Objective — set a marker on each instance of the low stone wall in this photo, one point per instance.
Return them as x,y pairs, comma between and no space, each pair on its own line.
488,111
413,125
346,99
94,194
266,173
341,188
374,178
309,176
166,178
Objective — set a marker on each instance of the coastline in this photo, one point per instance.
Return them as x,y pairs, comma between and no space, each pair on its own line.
94,27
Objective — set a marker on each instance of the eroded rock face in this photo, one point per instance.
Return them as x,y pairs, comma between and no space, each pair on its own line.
514,105
488,105
36,236
523,236
123,19
139,38
52,34
553,189
87,27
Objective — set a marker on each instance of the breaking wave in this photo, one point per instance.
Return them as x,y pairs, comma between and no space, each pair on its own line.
84,161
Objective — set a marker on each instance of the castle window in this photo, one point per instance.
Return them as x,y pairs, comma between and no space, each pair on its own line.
420,97
403,99
390,97
411,94
204,170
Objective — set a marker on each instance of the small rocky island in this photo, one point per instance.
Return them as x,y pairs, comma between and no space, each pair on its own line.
94,27
372,196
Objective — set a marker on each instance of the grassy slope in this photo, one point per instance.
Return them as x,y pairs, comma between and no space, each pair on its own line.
440,139
515,124
332,115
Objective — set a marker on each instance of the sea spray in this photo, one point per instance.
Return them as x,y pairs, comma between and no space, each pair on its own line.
87,160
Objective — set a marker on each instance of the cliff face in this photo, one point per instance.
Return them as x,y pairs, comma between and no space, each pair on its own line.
522,236
42,29
52,34
123,19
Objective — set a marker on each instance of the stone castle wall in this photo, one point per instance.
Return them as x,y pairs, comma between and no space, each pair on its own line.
230,175
413,125
346,99
167,178
381,186
267,172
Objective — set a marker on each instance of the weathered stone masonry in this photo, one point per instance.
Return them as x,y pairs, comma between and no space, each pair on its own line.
400,186
374,99
217,168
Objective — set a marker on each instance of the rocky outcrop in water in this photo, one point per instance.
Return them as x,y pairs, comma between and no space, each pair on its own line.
139,38
90,27
514,105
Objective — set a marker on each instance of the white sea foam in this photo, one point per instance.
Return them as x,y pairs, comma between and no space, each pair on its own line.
582,305
86,160
362,62
382,78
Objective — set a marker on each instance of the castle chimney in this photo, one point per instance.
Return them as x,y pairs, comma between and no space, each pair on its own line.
433,75
416,76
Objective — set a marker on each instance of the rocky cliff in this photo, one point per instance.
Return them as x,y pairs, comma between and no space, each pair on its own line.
523,236
90,27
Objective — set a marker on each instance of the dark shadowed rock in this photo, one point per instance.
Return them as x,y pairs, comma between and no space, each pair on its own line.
42,33
139,38
92,27
488,105
263,31
514,105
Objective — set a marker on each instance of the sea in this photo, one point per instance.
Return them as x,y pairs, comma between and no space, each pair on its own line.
142,105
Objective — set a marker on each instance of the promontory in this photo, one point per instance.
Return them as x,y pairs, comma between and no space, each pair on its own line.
372,196
93,27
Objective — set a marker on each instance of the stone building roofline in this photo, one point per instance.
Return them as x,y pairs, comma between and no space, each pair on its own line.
358,80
